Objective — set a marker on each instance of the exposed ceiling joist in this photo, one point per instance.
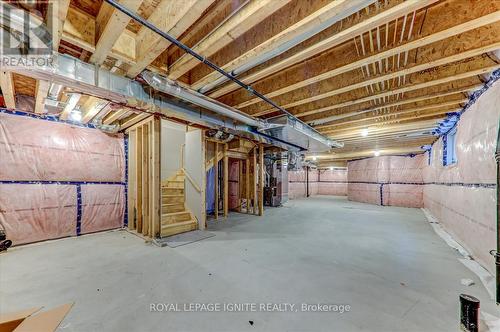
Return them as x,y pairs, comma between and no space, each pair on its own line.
110,25
250,15
341,37
172,17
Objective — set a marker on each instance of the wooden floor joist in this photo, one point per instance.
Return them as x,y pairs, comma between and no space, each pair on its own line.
394,68
343,36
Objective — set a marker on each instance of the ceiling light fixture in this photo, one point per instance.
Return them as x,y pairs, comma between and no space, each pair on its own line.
376,153
364,132
314,158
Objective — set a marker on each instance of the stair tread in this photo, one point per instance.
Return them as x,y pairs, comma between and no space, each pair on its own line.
177,224
168,214
171,204
166,195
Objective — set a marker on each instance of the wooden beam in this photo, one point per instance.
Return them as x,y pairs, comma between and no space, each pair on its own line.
375,129
336,39
132,120
369,152
416,116
42,89
324,122
247,184
403,89
114,115
310,22
110,24
71,103
376,115
92,107
57,12
80,30
255,179
173,17
7,86
411,69
230,30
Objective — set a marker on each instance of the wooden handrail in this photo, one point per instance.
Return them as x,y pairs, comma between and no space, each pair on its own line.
191,180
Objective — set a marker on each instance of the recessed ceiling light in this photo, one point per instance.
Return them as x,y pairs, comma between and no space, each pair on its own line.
376,153
331,168
364,132
314,158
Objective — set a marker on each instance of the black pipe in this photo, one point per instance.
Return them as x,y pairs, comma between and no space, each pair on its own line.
307,181
202,59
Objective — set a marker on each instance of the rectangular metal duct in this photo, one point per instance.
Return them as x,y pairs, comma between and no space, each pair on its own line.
293,131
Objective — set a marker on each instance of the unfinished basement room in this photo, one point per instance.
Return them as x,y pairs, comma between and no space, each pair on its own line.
249,165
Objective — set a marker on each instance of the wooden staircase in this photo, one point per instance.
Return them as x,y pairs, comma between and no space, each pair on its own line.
175,217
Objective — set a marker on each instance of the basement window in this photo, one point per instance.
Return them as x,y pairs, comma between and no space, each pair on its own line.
450,149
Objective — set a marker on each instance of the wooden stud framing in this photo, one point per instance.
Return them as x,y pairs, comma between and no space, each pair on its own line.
144,199
261,179
255,179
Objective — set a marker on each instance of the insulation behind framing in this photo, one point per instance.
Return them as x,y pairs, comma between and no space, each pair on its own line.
58,180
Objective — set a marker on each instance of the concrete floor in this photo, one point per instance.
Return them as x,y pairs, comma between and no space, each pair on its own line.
385,262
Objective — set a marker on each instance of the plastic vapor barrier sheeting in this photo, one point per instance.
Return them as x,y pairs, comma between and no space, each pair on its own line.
463,196
321,182
332,182
387,180
58,180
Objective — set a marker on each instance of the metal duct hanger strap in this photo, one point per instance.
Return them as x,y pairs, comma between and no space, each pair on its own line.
202,59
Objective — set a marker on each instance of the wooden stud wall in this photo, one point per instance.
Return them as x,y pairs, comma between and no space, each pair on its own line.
251,180
144,194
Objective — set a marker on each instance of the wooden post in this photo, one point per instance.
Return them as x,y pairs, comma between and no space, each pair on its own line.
131,179
240,185
226,182
204,178
247,183
138,176
255,177
261,180
216,186
156,183
145,179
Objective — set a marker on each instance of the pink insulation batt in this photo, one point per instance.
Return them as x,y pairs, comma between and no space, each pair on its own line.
36,155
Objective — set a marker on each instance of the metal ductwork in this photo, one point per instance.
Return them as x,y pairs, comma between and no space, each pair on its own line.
91,80
164,84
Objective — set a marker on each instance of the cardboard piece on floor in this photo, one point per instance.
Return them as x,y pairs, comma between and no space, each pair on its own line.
46,321
9,321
